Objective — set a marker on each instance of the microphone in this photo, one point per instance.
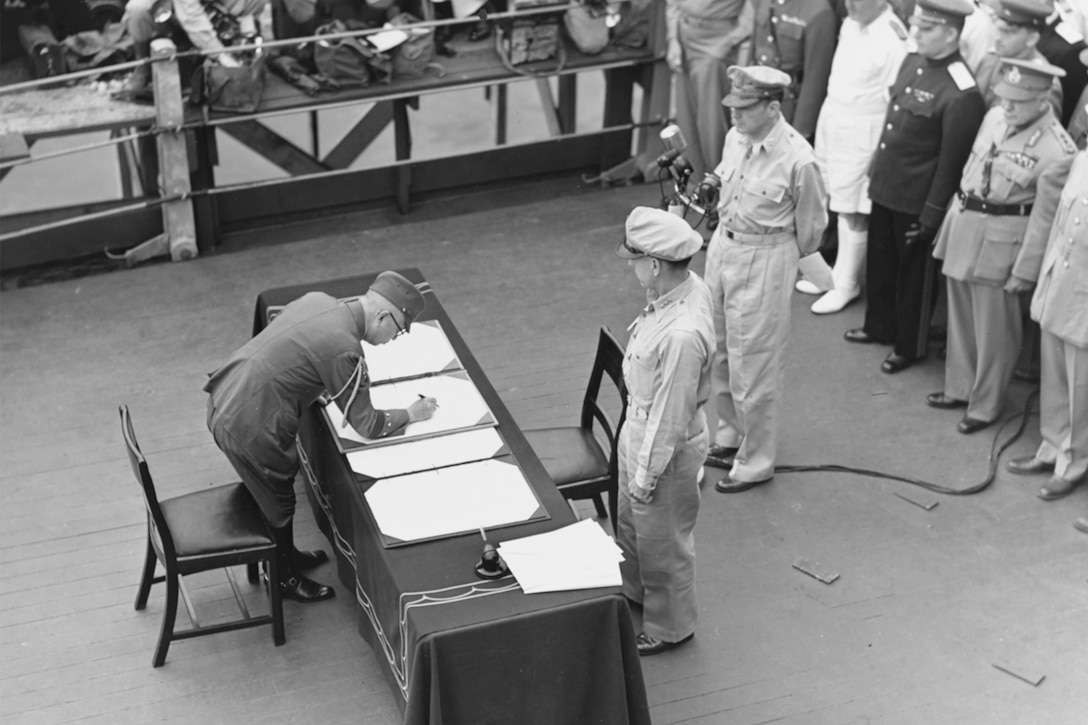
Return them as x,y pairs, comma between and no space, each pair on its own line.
665,160
672,138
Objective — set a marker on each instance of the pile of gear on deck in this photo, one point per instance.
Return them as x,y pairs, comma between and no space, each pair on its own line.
60,36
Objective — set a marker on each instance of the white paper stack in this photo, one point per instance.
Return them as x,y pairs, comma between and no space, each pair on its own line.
425,454
579,556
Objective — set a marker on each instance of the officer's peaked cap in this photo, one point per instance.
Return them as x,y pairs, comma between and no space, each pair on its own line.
656,233
1027,13
754,83
1022,80
942,12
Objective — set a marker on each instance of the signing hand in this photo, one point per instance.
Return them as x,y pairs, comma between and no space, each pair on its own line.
1015,285
422,409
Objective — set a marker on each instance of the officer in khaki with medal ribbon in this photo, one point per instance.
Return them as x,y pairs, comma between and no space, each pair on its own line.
1056,246
664,440
933,115
773,210
980,241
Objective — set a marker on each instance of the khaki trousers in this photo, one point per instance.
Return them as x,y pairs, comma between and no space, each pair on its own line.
1063,407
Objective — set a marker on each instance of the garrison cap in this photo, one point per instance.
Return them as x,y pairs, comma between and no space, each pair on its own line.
1025,13
753,84
404,295
1022,80
941,12
656,233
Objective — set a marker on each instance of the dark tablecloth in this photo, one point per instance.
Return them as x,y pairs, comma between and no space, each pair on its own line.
458,650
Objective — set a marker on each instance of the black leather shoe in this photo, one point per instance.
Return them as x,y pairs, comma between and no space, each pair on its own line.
648,646
1027,466
895,363
1026,375
1057,488
731,485
859,335
304,590
721,456
306,560
967,426
943,402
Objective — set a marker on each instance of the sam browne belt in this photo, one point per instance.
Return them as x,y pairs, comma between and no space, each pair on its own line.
973,203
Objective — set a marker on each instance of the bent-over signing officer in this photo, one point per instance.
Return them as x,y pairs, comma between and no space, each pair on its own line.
664,441
980,241
933,115
256,399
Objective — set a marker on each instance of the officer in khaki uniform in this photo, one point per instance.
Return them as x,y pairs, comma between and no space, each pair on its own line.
1018,24
980,241
773,209
1060,306
664,441
797,37
934,113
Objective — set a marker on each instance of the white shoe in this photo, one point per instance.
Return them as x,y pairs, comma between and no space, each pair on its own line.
805,287
834,301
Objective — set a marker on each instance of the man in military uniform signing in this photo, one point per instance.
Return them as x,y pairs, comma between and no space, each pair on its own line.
797,37
980,241
933,116
1018,25
1059,251
773,209
310,350
664,441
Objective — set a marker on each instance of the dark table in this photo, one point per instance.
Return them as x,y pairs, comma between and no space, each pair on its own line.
456,649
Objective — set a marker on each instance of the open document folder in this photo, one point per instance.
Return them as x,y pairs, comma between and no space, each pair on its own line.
452,500
460,407
424,351
579,556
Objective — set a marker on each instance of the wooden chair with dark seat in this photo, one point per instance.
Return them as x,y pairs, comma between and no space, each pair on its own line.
581,464
214,528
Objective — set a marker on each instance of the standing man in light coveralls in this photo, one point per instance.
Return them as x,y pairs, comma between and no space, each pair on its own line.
773,210
704,39
979,241
872,46
664,440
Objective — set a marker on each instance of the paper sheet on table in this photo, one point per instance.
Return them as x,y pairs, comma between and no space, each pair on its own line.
426,453
423,351
451,500
579,556
459,406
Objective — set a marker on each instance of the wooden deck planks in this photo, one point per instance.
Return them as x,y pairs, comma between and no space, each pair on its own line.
926,600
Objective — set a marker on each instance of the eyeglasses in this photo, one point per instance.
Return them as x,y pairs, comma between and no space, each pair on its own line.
400,330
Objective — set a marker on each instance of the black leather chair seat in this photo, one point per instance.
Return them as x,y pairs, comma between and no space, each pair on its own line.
569,454
215,520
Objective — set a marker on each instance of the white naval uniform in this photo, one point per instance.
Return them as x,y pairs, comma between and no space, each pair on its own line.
866,63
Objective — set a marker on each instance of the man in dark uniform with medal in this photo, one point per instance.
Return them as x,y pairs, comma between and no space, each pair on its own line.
933,116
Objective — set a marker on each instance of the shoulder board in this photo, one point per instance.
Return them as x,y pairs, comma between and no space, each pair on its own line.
1034,139
1068,32
1063,138
897,28
961,76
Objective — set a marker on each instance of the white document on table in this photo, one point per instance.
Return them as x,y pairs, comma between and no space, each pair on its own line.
460,406
451,500
579,556
423,351
426,453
